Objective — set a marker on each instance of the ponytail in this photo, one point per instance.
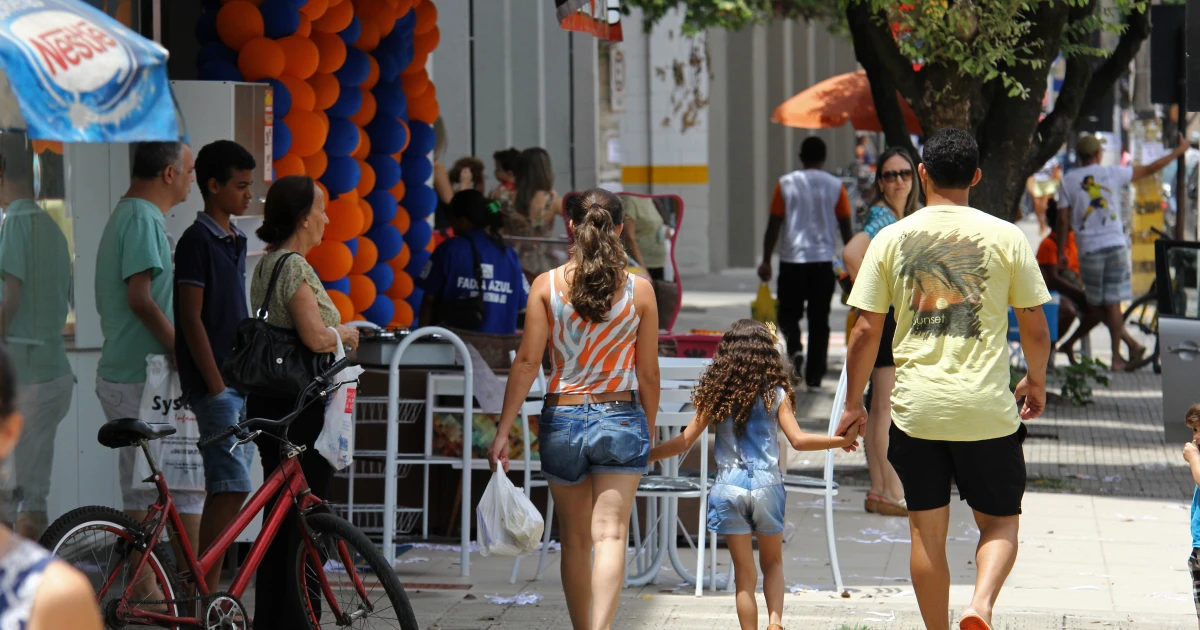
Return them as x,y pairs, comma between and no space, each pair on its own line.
598,255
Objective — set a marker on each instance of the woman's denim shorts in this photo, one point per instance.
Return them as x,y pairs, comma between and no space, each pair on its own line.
578,440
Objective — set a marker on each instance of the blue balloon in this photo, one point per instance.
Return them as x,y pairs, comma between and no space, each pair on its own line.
387,240
220,70
386,133
280,18
341,284
419,233
213,51
416,167
212,5
342,138
349,102
206,28
282,99
407,23
381,312
387,170
351,33
420,201
383,206
341,176
423,137
389,67
404,57
390,98
296,4
415,265
352,244
355,69
382,275
282,139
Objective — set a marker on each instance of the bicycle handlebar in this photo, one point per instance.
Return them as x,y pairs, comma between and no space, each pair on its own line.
325,379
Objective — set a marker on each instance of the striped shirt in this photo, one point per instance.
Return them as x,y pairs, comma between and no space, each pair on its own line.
593,357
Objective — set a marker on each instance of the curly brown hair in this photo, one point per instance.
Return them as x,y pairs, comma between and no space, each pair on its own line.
746,367
598,255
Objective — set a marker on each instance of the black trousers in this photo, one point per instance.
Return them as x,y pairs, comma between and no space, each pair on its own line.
276,602
807,288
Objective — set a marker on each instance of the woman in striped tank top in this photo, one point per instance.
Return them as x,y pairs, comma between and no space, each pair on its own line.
594,434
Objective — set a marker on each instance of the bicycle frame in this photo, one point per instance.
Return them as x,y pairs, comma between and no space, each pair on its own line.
285,482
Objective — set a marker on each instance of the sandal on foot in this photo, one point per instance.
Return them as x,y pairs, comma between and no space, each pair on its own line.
973,622
1135,357
775,626
871,503
886,506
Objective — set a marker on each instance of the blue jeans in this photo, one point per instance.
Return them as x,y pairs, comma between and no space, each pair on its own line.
223,471
598,438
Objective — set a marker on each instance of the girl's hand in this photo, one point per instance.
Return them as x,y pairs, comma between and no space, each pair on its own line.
498,454
656,454
848,442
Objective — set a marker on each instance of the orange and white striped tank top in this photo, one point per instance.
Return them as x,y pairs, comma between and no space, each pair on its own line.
593,357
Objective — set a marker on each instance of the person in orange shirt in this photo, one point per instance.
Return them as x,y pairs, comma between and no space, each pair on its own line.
808,209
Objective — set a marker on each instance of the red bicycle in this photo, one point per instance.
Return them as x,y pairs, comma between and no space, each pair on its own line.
137,584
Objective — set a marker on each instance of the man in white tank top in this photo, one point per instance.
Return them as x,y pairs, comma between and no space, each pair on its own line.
808,209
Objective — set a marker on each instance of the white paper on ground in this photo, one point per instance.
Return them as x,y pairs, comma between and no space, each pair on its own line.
520,599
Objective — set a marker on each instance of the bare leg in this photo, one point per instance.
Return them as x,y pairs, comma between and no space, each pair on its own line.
930,572
745,574
1116,328
994,558
1066,316
770,558
31,525
1092,317
1039,208
612,502
573,505
879,420
219,512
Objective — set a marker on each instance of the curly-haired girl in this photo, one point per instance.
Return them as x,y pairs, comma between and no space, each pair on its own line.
746,393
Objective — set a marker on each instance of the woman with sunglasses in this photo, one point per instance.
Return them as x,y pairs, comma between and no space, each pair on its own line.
894,195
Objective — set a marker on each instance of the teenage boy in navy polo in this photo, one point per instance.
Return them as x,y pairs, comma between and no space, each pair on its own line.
210,301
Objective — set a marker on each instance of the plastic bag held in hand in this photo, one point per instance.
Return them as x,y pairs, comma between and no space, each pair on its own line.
336,441
507,523
764,308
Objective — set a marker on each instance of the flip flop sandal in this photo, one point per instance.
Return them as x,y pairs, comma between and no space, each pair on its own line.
775,626
973,622
889,507
1135,358
871,503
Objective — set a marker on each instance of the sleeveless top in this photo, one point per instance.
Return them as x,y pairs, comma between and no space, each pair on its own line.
878,217
21,569
593,357
751,460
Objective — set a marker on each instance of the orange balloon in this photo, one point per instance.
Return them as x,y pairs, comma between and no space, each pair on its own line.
366,181
325,90
352,195
337,17
261,58
418,63
401,260
366,113
402,287
289,164
372,74
302,56
403,316
362,292
424,109
407,139
427,41
345,219
323,118
302,93
401,7
324,191
342,303
398,192
238,22
332,49
368,215
414,83
364,146
308,132
334,2
434,242
368,40
305,28
314,9
315,164
402,220
427,15
366,257
331,260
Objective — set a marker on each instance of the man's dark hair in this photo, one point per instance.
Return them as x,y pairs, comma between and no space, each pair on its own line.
951,158
150,158
218,161
16,158
507,159
812,151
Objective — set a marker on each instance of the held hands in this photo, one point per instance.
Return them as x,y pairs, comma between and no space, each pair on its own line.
1035,398
848,442
498,453
1190,453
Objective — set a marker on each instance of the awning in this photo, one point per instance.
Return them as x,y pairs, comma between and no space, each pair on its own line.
601,18
68,72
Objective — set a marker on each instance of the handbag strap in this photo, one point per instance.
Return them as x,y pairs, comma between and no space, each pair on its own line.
478,266
262,310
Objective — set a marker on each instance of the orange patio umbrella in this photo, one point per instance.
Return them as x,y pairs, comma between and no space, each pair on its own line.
836,101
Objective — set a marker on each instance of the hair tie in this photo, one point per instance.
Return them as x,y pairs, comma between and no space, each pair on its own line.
494,207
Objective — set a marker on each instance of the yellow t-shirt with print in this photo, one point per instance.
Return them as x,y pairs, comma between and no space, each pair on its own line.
951,272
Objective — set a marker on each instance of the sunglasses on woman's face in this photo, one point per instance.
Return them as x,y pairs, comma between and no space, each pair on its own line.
890,176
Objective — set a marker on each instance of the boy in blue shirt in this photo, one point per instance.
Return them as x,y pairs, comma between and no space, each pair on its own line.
1191,454
453,274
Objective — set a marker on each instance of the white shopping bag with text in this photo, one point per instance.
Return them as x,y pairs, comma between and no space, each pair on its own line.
506,521
336,441
177,456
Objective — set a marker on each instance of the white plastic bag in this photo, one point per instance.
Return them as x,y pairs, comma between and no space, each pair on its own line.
336,441
507,523
177,455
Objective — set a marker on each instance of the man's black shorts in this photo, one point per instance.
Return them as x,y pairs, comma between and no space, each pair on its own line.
990,474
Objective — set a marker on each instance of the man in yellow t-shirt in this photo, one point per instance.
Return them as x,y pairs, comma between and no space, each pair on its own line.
952,272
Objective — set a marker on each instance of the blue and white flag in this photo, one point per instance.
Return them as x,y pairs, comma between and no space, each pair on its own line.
68,72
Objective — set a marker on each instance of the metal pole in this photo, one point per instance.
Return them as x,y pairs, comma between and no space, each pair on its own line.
1181,200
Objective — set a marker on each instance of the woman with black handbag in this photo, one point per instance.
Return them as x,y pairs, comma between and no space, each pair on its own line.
286,287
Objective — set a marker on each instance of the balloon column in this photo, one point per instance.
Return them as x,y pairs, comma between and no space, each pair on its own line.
353,108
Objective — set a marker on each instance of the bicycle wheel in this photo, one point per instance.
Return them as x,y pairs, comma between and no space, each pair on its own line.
100,542
349,559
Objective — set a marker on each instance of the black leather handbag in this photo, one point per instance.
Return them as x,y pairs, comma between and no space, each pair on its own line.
271,361
465,314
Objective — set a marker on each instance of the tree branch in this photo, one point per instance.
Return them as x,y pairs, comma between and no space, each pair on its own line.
887,70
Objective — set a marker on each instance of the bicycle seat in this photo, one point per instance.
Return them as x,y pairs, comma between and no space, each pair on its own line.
129,431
